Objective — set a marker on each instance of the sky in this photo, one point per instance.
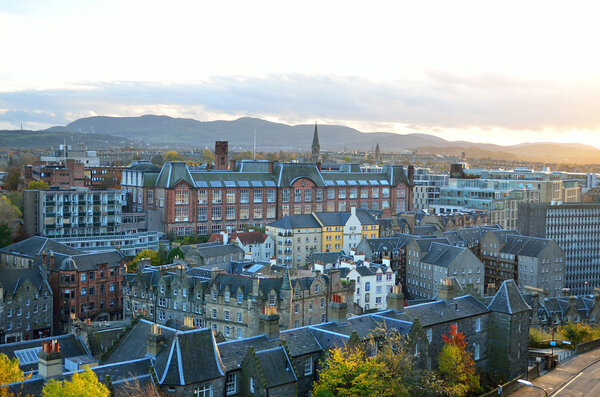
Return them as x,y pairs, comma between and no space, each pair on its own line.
503,72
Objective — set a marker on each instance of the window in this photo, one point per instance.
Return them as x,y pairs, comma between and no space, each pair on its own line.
202,214
317,288
251,385
272,300
204,391
244,196
331,194
202,196
230,196
217,197
285,195
182,197
240,333
308,195
226,315
322,303
308,366
429,335
258,213
240,296
214,314
244,212
182,214
257,196
375,192
231,383
239,317
83,291
271,196
217,213
477,352
319,195
271,212
342,193
230,212
367,286
478,324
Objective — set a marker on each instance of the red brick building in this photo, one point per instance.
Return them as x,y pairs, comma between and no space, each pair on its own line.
103,177
186,201
64,174
87,285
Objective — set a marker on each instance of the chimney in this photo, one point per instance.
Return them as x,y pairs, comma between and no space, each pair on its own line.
491,289
446,290
338,309
268,322
353,210
225,237
255,288
232,165
319,165
51,260
50,360
155,340
386,261
271,167
411,175
395,300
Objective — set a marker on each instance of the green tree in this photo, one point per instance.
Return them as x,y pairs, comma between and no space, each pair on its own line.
456,365
346,159
12,179
576,333
172,156
158,160
5,235
10,372
208,156
82,384
16,198
38,185
175,252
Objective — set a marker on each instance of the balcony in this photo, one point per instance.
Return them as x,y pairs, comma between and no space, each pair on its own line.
288,242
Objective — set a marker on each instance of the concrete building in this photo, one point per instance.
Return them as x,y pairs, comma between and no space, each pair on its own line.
63,174
296,237
576,230
88,158
426,188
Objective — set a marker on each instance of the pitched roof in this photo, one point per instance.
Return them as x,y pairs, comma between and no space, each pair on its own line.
276,367
524,245
13,279
299,221
508,299
88,261
190,357
173,172
287,173
442,254
245,238
233,352
34,246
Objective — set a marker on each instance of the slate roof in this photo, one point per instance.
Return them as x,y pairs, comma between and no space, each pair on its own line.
442,254
145,166
70,346
233,352
508,299
36,245
250,237
299,221
88,261
287,173
133,345
300,341
173,172
13,279
341,217
210,250
276,367
524,245
326,257
190,357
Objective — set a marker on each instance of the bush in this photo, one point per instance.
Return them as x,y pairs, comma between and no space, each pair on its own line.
539,338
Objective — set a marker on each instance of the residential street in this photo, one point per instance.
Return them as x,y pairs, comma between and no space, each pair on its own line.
578,377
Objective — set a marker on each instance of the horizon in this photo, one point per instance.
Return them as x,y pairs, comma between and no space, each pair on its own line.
454,71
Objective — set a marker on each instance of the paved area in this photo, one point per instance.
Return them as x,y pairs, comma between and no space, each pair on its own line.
579,376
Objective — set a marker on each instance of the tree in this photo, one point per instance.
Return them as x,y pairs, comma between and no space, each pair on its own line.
175,252
208,156
12,179
457,366
82,384
9,216
172,156
576,333
38,185
10,372
153,255
158,160
5,235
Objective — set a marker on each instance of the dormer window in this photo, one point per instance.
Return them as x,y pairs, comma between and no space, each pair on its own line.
317,288
226,296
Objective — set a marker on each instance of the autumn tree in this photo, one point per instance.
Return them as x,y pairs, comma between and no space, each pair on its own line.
456,365
208,156
9,218
158,160
38,185
151,254
576,333
172,156
10,372
175,252
82,384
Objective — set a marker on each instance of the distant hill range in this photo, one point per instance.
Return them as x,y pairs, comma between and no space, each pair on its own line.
52,139
276,136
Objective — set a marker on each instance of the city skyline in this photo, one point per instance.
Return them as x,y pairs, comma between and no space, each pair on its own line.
461,71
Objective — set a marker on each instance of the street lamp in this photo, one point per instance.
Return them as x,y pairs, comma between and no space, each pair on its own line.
528,383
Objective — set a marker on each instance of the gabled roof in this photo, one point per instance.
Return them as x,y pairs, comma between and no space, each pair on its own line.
438,312
233,352
287,173
246,238
88,261
276,367
13,279
36,245
172,173
508,299
524,245
299,221
190,357
442,254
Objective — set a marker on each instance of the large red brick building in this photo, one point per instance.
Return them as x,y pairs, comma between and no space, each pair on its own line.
186,200
87,285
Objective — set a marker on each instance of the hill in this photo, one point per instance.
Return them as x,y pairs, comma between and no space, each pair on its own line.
48,139
277,136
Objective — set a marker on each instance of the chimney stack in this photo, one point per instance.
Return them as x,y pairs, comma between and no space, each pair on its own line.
232,165
491,289
338,309
446,290
50,360
155,340
268,322
395,300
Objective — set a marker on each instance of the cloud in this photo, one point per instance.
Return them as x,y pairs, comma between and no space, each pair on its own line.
435,101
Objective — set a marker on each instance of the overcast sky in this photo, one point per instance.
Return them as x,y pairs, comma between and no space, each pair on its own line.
502,72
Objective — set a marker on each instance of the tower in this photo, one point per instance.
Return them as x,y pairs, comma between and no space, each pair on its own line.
377,154
316,147
221,154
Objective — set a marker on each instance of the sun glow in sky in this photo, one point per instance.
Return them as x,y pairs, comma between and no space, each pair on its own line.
501,72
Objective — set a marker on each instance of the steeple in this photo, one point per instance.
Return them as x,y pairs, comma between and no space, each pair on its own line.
316,147
377,153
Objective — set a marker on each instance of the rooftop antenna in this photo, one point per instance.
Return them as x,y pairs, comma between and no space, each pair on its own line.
254,150
21,126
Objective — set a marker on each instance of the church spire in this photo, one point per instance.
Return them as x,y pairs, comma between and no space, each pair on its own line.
377,153
316,147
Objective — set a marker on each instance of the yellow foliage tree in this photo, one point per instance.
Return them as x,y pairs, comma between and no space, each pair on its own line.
82,384
172,156
10,372
38,185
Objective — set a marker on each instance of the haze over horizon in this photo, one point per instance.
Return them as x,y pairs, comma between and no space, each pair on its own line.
506,74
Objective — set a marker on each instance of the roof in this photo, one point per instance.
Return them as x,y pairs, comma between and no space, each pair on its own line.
299,221
190,357
245,238
144,166
210,250
524,245
442,254
13,279
439,312
276,367
172,173
36,245
233,352
88,261
288,173
508,299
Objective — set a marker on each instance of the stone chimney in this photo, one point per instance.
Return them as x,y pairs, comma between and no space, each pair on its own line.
255,288
271,167
268,322
319,165
395,300
232,165
566,292
50,360
338,309
446,290
51,266
491,289
155,340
